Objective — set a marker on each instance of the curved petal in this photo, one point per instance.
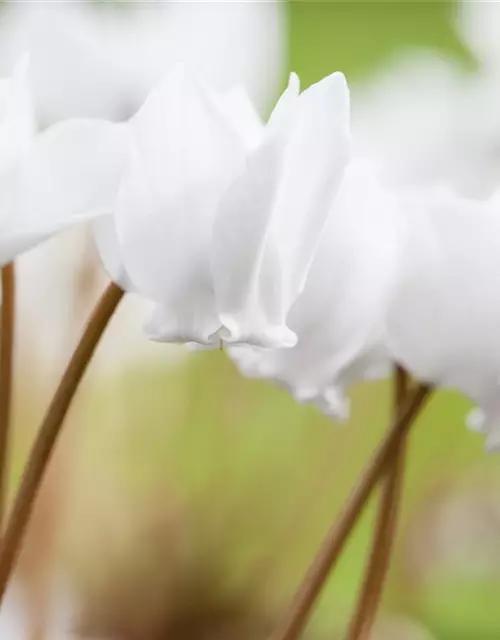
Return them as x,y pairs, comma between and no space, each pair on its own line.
338,318
443,320
272,219
71,173
183,155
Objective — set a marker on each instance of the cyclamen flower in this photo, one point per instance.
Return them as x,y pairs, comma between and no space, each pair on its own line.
339,317
218,218
443,317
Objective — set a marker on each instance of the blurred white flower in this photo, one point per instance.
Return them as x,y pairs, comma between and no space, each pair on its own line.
431,121
443,317
101,60
339,317
218,217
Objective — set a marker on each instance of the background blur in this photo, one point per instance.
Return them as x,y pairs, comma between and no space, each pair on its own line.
185,502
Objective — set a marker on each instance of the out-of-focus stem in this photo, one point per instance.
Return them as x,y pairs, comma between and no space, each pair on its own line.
7,332
50,429
302,605
385,527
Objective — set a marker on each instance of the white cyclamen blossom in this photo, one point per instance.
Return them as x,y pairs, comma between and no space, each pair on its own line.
339,317
218,217
215,216
443,318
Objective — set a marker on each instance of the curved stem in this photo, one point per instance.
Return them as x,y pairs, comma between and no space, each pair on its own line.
329,552
50,429
385,528
7,322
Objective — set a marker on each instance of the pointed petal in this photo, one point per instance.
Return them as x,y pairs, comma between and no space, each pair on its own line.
70,174
273,218
246,308
184,154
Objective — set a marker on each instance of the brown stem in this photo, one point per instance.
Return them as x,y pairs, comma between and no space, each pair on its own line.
385,527
50,429
329,552
7,322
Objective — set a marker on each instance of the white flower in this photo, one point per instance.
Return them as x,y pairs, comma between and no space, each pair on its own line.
70,173
431,120
443,318
218,217
102,61
339,317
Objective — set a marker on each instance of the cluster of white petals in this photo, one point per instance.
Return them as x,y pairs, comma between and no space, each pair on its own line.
269,239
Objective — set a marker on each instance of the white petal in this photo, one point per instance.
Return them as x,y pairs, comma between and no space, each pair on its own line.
443,320
194,322
70,174
272,219
241,114
107,243
183,156
17,123
247,307
339,316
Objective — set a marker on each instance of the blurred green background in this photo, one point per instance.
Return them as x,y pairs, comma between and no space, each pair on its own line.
192,470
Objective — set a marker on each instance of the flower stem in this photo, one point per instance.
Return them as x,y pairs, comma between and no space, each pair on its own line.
50,429
329,552
385,527
7,322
